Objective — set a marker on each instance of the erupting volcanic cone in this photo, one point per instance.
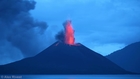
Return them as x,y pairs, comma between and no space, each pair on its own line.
61,58
64,58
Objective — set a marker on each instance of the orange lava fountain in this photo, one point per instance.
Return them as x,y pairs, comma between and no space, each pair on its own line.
69,33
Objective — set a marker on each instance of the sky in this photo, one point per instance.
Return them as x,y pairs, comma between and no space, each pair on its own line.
28,27
102,25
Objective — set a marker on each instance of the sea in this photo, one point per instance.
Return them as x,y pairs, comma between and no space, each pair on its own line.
69,76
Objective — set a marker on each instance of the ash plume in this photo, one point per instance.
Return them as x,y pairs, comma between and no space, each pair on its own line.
60,36
19,28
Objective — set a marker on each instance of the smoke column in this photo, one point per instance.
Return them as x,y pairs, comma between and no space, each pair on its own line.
18,29
60,36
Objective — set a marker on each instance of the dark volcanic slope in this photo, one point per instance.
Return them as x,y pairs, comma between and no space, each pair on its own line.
128,58
60,58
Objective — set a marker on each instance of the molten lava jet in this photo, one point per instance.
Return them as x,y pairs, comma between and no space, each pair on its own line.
69,33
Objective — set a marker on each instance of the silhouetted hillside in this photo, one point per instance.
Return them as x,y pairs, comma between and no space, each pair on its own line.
61,58
128,58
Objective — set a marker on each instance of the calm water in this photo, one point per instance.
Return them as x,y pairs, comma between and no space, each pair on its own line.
70,77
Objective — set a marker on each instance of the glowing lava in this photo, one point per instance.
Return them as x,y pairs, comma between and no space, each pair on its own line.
69,33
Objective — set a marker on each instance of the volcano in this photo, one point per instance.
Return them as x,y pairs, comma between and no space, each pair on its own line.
128,57
64,57
61,58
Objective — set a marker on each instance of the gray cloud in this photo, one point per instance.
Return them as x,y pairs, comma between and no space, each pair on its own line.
19,31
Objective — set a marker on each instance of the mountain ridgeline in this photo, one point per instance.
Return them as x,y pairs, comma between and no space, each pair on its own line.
128,58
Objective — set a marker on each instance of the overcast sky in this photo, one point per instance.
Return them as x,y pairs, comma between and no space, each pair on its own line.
102,25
